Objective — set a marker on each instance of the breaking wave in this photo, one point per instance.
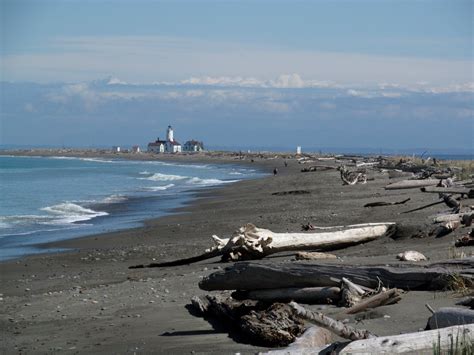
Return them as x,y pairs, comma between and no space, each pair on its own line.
164,177
158,188
208,182
70,212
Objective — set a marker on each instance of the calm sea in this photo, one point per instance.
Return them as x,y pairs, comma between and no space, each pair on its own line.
51,199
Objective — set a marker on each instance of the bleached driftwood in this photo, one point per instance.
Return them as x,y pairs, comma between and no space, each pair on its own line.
411,255
351,293
313,255
255,276
308,295
411,184
412,343
445,228
328,323
381,299
449,316
451,217
250,242
352,177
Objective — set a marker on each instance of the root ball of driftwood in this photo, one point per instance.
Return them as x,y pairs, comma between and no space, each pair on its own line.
255,322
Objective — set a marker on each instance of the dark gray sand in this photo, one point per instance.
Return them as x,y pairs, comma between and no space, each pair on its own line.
88,301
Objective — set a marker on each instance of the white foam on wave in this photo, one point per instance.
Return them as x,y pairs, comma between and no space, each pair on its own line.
69,212
201,182
145,173
114,199
235,173
158,188
97,160
164,177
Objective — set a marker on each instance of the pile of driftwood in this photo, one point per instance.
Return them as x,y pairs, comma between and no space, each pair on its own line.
262,308
258,309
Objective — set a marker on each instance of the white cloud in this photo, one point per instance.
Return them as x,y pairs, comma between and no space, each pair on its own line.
167,59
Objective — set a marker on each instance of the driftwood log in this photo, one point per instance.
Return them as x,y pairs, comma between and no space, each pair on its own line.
308,295
381,299
333,325
250,242
314,337
452,217
469,193
427,342
411,184
259,324
255,276
352,177
308,255
351,293
449,316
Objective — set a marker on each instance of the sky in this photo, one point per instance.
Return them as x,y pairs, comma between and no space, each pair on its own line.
380,74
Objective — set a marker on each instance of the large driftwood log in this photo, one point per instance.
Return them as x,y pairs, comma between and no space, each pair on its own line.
328,323
381,299
274,325
254,276
446,340
250,242
450,190
449,316
308,295
411,184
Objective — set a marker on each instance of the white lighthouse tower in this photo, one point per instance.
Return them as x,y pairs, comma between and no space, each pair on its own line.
169,134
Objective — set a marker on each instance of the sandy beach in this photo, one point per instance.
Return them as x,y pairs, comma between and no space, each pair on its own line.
88,301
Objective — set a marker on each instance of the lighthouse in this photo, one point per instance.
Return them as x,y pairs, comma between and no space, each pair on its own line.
169,134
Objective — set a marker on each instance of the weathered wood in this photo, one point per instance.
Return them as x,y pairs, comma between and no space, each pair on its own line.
467,302
352,177
254,276
449,190
351,293
383,203
449,316
272,326
451,217
328,323
411,255
427,342
313,337
381,299
411,184
250,242
308,295
445,228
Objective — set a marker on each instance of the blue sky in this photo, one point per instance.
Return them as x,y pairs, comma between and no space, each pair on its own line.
258,68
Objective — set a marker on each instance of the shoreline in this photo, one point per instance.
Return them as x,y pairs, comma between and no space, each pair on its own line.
88,300
193,193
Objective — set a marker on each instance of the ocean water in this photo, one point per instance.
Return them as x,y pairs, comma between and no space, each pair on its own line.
51,199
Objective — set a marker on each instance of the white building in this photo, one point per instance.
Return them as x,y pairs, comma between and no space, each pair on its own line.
136,149
193,146
116,149
170,145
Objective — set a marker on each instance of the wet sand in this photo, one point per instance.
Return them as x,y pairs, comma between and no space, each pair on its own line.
88,301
